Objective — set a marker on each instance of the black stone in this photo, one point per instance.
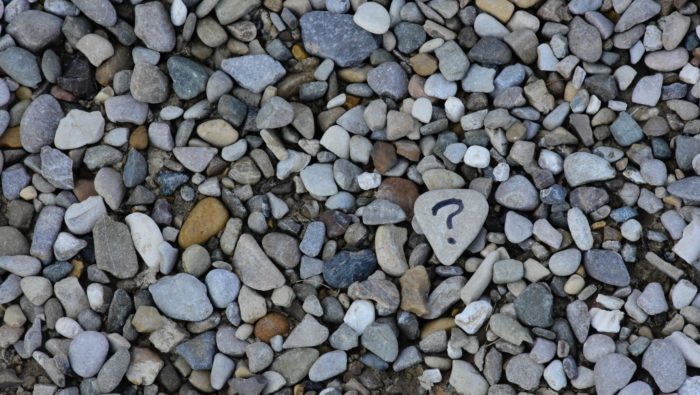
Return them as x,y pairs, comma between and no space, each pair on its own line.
346,267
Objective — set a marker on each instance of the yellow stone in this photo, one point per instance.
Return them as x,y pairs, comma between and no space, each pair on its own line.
78,266
501,9
298,52
424,64
440,324
10,139
23,93
354,74
206,219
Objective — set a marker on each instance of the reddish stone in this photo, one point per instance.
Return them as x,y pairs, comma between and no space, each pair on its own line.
400,191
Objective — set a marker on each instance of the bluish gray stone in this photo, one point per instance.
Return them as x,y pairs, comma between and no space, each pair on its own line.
46,229
182,297
336,37
254,72
199,351
189,77
625,130
14,179
607,267
34,29
21,65
347,267
39,122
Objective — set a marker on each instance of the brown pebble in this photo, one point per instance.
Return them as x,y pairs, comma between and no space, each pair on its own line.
205,220
10,139
415,287
139,138
84,189
271,325
383,156
400,191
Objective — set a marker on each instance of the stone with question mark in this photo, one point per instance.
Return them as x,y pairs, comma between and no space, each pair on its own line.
451,219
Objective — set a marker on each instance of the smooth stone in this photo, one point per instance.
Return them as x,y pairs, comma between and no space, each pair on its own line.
146,237
34,29
372,17
607,267
206,219
152,25
39,122
468,215
253,267
87,353
308,333
181,297
380,340
534,306
328,365
517,193
665,363
612,373
347,267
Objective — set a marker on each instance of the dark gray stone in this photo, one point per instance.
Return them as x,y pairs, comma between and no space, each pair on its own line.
336,37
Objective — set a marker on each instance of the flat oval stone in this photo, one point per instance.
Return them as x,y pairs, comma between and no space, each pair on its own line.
206,219
607,267
181,297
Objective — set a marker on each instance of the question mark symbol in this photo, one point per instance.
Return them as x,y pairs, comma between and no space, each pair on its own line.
449,202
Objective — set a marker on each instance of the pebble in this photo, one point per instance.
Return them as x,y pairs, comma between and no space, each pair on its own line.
607,267
87,353
372,17
582,168
254,72
328,365
181,297
321,31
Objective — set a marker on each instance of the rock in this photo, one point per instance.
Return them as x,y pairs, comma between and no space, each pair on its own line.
101,12
207,219
383,292
253,267
87,353
308,333
580,229
229,11
667,60
637,12
146,237
189,77
473,316
648,90
318,180
152,25
468,215
625,130
254,72
607,267
389,241
217,132
125,108
223,287
199,351
34,30
21,65
517,193
12,242
664,361
79,128
144,366
686,188
96,48
195,159
652,300
372,17
46,229
81,217
524,372
321,31
509,329
39,122
534,306
113,371
181,297
388,79
271,325
582,168
348,267
148,84
466,379
380,340
584,40
328,365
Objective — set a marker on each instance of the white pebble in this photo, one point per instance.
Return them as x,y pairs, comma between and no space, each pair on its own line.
477,156
422,110
368,181
359,315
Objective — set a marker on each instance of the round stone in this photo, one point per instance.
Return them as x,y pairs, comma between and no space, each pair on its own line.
87,353
372,17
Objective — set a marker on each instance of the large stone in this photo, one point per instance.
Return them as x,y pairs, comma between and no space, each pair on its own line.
114,251
152,25
583,167
607,267
34,29
451,219
254,72
336,37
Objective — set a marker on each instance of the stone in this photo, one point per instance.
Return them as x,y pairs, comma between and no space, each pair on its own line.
389,241
81,217
584,40
466,379
101,12
607,267
113,371
534,306
146,237
517,193
637,12
21,65
308,333
148,84
207,218
380,340
322,30
652,300
468,215
87,353
372,17
199,351
347,267
583,167
612,373
328,365
473,316
34,29
664,361
181,297
318,179
144,366
388,79
254,72
96,48
524,372
152,25
39,122
253,267
189,77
